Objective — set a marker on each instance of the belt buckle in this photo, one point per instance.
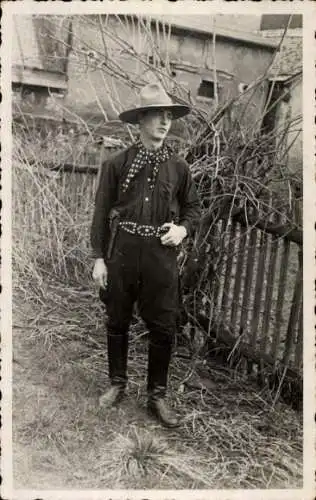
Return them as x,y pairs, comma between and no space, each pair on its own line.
132,228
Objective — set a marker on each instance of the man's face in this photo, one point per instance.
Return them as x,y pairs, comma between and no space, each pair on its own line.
155,124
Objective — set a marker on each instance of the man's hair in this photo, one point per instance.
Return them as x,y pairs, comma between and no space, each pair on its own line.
148,111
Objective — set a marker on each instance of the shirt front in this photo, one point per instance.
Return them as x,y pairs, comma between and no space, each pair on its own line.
146,209
173,199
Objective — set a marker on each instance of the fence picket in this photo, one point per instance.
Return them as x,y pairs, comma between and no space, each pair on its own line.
248,279
259,288
280,300
238,274
298,360
229,266
218,272
266,320
294,314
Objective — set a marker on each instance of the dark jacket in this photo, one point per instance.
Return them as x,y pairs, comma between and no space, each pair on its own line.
174,197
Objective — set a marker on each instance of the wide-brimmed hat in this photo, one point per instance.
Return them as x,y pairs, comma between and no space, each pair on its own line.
153,96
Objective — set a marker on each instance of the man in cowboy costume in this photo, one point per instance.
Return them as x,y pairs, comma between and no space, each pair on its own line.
151,191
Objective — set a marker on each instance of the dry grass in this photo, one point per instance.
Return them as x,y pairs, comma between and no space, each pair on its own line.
232,436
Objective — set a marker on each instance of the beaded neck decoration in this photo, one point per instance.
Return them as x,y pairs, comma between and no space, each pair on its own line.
146,157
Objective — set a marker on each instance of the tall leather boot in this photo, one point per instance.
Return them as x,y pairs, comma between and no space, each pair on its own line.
158,363
117,362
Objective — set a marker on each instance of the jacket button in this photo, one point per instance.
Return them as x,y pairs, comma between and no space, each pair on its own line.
146,199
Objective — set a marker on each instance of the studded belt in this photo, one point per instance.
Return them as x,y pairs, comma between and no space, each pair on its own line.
143,229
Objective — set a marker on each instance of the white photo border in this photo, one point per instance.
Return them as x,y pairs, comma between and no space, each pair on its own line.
308,10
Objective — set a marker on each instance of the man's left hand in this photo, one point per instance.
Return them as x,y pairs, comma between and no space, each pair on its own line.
174,236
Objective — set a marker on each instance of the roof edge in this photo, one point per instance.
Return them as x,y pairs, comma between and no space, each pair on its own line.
239,36
38,77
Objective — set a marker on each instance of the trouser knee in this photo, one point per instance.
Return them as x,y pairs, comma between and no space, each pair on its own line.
115,328
162,338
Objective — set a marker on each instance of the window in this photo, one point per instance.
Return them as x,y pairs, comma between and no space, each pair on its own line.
274,93
206,89
33,95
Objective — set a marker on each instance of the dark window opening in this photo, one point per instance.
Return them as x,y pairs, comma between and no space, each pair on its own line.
273,100
34,95
206,89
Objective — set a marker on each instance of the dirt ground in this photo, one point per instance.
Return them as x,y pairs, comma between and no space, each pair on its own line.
232,435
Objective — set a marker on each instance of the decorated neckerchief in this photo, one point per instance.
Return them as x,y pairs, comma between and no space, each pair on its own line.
146,157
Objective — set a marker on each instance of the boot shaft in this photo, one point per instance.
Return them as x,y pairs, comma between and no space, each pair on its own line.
117,358
158,366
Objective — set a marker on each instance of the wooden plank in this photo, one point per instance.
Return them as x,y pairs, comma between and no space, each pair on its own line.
298,359
280,300
266,321
248,278
280,228
229,265
286,231
295,310
40,77
71,167
259,289
238,275
218,270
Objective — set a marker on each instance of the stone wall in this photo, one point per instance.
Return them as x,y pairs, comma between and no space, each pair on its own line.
290,111
288,63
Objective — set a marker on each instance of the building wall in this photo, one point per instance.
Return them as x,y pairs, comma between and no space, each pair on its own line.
91,89
289,58
289,62
93,93
290,111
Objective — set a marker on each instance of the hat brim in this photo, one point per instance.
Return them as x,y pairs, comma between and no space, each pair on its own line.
132,115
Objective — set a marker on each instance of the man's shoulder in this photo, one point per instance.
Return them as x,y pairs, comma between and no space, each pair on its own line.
119,157
180,162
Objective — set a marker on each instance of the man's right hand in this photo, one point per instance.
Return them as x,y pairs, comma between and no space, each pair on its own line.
100,273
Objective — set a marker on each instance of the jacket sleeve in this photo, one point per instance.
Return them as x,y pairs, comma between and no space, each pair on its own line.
190,208
106,195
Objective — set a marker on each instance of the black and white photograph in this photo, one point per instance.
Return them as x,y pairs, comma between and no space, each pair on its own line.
157,251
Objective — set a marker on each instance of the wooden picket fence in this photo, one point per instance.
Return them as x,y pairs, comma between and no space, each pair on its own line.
258,294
